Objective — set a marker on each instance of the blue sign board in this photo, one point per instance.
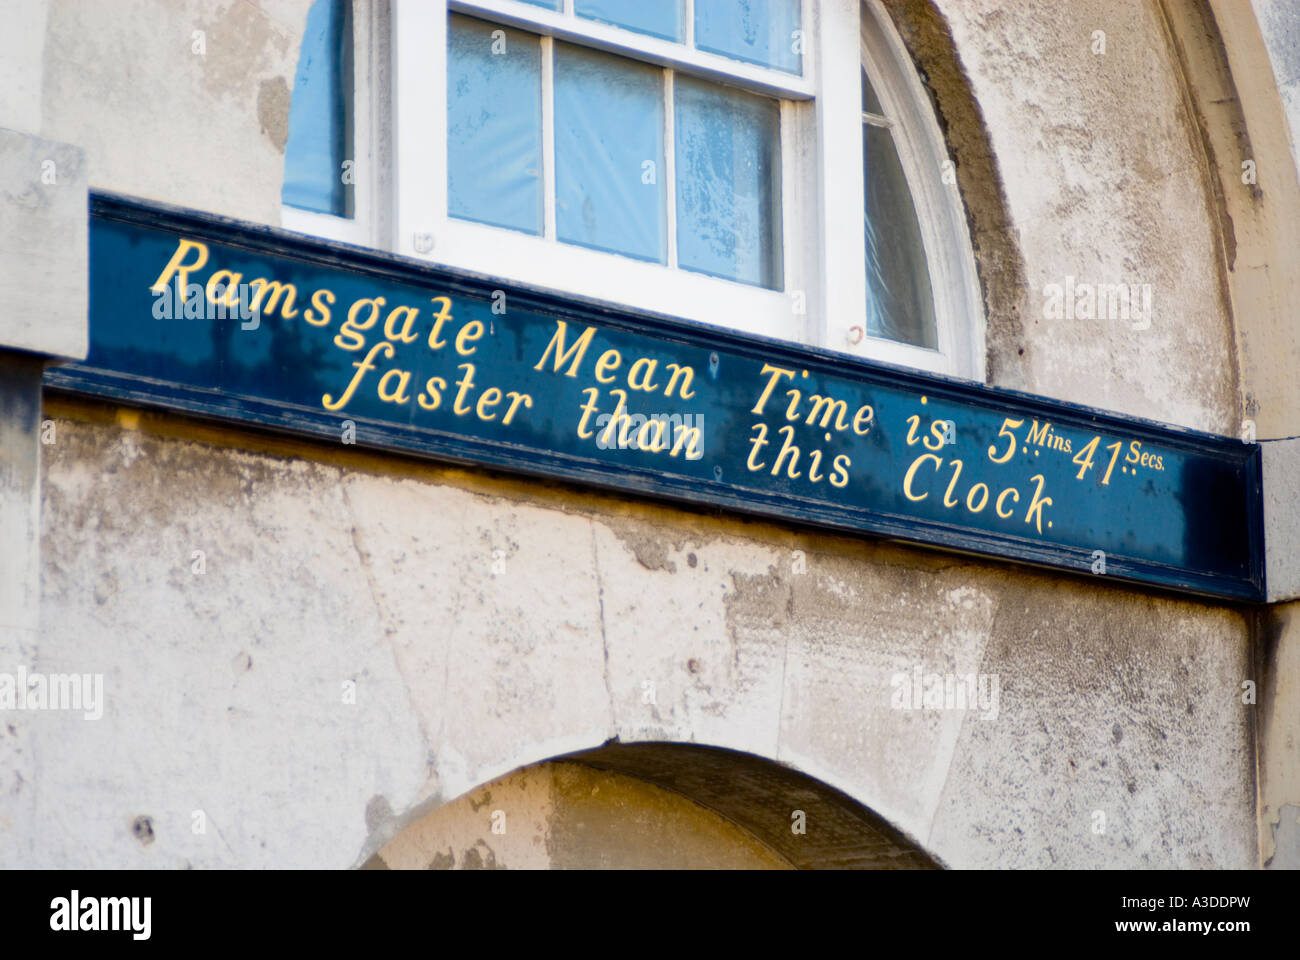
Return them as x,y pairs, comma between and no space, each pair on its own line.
216,318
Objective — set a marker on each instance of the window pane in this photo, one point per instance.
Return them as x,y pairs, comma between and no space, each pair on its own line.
870,102
659,18
548,4
318,116
757,31
609,149
728,183
900,305
494,125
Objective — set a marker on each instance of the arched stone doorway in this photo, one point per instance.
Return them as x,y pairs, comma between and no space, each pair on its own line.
652,805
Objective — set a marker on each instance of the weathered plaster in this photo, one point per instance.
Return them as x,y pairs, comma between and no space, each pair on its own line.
464,672
1096,181
566,815
1277,676
161,120
20,565
489,623
44,246
22,47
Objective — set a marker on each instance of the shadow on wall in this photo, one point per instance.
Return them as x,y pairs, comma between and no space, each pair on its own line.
648,806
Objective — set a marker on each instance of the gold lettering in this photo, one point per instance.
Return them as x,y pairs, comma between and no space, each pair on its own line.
466,384
914,421
362,366
609,360
406,334
756,444
1006,430
828,405
400,395
1015,498
687,374
434,386
577,351
790,412
814,475
442,315
177,265
588,409
516,399
352,328
230,296
947,494
322,300
619,417
490,398
655,444
865,421
649,366
776,374
1037,502
468,334
840,471
787,446
277,288
911,472
691,439
970,496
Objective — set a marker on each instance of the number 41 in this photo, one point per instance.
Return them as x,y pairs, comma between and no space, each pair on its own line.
1084,458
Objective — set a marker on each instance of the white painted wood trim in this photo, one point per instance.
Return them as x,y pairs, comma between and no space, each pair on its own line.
638,46
823,252
420,162
838,159
959,305
419,174
366,224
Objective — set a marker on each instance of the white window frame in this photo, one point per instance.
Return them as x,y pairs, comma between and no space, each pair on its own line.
368,225
401,198
923,154
420,112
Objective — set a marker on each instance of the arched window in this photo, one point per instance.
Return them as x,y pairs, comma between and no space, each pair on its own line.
923,304
319,134
703,159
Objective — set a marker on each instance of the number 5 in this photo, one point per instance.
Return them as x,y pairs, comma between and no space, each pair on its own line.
1007,426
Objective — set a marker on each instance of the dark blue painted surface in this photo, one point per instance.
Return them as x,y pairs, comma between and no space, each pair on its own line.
1189,520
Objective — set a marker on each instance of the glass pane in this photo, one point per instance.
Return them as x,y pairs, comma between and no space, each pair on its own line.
494,125
548,4
319,131
757,31
900,305
870,102
728,183
659,18
609,153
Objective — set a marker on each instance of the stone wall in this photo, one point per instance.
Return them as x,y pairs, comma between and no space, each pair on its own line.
314,648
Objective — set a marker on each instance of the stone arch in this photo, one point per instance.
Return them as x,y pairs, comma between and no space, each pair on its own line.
663,805
994,241
1227,53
